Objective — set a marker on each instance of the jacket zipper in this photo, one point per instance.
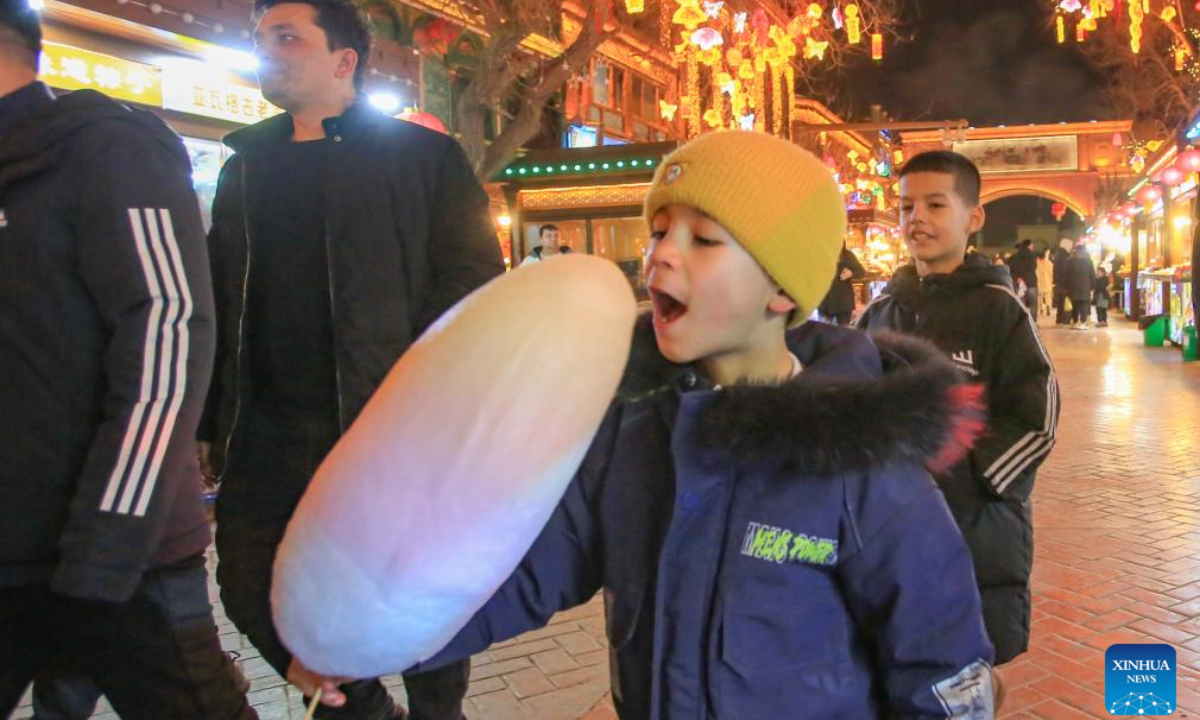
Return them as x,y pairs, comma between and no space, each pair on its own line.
337,368
237,373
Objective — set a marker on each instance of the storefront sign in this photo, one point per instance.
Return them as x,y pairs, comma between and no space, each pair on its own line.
186,93
1022,155
69,68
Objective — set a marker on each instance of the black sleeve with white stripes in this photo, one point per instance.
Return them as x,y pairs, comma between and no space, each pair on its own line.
141,254
1023,409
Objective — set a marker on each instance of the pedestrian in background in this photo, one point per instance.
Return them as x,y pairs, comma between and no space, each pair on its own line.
838,305
1080,282
1045,283
1062,255
1023,266
1100,297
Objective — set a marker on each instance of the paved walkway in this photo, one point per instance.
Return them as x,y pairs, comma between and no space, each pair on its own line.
1118,557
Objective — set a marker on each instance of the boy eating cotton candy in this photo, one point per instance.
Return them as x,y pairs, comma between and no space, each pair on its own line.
757,507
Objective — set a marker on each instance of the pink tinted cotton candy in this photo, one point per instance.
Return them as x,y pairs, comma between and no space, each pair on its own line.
440,487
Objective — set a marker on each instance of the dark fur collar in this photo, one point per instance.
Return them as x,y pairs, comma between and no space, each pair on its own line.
863,400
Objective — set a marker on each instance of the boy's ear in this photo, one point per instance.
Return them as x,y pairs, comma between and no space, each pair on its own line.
975,223
781,303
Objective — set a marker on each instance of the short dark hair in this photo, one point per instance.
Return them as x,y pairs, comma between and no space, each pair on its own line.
345,26
966,176
546,228
1026,244
20,26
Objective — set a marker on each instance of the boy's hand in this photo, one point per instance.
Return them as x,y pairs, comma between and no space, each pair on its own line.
308,682
846,274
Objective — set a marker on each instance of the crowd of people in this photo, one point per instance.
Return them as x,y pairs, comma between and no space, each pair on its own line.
1062,282
787,518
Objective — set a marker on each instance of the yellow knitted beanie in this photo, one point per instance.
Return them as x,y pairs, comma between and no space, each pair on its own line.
777,199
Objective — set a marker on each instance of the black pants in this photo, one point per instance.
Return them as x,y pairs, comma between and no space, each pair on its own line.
155,656
1031,299
267,473
1101,314
1081,310
61,692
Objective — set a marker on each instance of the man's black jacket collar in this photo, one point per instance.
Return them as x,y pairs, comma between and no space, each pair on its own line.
278,129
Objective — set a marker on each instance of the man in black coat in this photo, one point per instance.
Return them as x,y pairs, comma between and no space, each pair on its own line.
107,324
838,305
1023,266
339,234
1061,255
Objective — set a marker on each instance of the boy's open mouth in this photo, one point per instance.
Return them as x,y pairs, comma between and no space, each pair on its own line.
666,308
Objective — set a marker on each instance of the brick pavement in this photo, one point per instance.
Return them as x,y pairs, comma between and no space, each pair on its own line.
1117,518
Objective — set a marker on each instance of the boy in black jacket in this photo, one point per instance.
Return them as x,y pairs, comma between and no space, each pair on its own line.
967,308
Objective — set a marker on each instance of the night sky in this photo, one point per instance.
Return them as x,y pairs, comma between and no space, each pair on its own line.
992,62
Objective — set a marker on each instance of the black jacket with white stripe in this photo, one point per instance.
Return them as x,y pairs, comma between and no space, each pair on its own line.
106,341
974,317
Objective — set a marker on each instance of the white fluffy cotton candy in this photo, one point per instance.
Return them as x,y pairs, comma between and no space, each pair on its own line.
440,487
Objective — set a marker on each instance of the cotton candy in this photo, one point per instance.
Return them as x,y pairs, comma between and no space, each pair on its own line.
440,487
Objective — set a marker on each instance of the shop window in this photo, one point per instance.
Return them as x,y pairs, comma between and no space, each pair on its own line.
624,241
613,120
207,157
571,233
608,85
601,88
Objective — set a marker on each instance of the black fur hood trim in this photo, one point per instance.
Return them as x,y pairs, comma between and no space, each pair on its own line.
862,400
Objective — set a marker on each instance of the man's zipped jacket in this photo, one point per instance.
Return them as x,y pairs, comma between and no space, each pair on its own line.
107,340
407,234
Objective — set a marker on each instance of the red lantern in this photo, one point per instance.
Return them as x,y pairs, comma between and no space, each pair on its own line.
1172,176
1188,160
1058,210
425,120
1149,194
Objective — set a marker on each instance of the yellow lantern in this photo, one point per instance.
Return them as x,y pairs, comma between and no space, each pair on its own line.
733,56
877,46
1061,29
1136,15
634,7
689,14
853,24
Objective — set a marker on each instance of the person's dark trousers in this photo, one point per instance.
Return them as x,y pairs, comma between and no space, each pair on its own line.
1101,314
1061,316
1031,299
154,656
61,692
268,471
1081,310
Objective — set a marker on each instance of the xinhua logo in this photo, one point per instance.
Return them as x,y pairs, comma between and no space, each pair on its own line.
1139,679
